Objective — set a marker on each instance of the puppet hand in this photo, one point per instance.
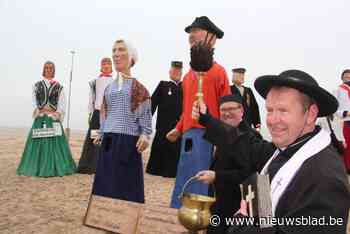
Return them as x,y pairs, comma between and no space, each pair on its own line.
142,143
97,140
173,135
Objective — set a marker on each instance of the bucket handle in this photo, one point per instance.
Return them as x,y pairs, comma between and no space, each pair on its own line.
189,181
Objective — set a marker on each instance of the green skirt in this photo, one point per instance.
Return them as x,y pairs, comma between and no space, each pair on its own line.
45,157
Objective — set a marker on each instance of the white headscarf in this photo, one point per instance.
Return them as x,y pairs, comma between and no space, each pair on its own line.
132,52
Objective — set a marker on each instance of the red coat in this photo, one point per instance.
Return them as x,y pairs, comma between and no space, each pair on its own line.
215,85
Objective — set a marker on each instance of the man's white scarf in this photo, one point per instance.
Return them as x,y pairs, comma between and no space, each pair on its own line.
287,172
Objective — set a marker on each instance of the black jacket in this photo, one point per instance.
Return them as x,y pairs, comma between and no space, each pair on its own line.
319,189
231,168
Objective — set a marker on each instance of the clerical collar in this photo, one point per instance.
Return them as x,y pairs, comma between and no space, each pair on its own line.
298,143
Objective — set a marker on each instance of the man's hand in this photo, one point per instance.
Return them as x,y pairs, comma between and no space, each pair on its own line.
142,143
243,210
197,109
173,135
206,176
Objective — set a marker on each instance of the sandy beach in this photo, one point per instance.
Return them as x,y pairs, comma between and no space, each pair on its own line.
53,205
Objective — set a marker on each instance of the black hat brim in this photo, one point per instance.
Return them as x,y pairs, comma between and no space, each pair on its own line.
326,102
219,35
207,26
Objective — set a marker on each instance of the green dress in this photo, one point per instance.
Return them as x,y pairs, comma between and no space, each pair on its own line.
48,156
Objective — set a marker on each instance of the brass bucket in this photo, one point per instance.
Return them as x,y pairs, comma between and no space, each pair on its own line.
195,211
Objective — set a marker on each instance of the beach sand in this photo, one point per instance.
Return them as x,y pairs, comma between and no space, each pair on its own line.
58,204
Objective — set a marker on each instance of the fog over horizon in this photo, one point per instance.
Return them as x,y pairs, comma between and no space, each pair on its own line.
265,37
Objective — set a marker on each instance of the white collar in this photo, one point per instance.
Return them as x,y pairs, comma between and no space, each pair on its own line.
287,172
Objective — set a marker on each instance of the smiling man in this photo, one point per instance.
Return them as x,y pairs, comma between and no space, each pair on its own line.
307,176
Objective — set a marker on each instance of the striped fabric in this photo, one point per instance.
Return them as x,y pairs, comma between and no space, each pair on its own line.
120,119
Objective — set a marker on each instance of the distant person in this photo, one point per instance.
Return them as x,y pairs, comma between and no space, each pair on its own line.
343,96
46,156
330,124
196,153
167,100
126,127
251,108
90,153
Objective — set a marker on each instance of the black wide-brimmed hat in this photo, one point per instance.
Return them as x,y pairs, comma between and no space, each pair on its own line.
204,23
326,102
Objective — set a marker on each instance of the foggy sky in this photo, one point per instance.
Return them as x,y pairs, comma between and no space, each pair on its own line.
266,37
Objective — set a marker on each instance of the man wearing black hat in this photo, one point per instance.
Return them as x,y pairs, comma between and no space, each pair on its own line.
167,98
196,153
308,179
251,108
226,171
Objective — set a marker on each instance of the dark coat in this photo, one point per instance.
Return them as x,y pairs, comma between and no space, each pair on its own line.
251,109
91,152
319,189
167,99
231,169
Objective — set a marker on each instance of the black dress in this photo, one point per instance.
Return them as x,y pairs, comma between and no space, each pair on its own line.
90,153
167,98
89,156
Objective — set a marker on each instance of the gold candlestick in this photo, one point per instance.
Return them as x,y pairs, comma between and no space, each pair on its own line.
200,86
